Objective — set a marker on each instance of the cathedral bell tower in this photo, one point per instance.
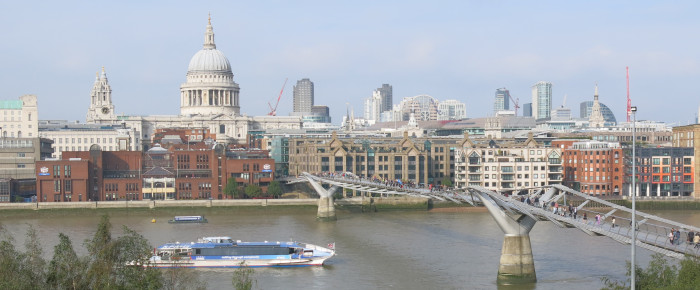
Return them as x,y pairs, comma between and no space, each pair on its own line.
101,107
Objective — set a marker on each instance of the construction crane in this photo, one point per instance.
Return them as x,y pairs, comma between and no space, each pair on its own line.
273,111
515,104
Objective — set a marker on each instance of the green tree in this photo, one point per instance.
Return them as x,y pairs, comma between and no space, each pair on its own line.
252,190
33,262
66,269
446,181
243,278
274,189
108,257
660,274
182,278
232,188
22,270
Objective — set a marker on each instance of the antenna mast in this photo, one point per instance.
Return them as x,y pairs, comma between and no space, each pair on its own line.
629,102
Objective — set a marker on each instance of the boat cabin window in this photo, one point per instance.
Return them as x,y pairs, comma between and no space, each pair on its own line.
198,251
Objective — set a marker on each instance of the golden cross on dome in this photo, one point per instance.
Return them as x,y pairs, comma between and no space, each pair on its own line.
209,18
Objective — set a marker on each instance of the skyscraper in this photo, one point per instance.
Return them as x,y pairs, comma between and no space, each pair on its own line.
542,100
502,101
387,95
303,96
527,110
373,107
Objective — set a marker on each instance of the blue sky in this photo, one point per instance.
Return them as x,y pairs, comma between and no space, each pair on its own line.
461,50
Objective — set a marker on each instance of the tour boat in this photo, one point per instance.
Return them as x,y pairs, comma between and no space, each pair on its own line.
224,252
185,219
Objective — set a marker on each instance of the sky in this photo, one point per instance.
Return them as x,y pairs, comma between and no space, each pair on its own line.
461,50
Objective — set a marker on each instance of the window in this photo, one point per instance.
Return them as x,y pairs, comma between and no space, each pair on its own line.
57,185
68,185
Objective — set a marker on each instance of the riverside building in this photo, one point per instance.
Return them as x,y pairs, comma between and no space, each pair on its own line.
505,165
194,171
593,167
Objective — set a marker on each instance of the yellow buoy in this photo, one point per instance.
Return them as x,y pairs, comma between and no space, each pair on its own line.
153,220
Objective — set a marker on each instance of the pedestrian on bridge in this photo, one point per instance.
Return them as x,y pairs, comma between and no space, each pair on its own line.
613,222
691,234
597,219
671,235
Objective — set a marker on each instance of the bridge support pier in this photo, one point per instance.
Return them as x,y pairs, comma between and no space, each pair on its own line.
517,265
326,207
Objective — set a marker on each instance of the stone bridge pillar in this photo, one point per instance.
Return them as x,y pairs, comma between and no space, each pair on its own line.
517,265
326,207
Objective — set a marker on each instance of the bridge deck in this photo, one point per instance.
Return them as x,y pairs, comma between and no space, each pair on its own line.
652,231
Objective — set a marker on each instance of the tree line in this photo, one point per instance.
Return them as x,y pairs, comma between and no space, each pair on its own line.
234,189
111,263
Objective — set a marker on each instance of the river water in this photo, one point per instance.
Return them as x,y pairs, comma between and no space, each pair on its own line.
381,250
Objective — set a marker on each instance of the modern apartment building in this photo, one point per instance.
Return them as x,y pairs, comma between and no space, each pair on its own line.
665,172
507,166
689,136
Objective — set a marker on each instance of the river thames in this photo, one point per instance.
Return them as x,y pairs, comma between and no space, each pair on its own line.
381,250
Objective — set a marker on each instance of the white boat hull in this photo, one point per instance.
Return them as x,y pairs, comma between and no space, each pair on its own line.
236,262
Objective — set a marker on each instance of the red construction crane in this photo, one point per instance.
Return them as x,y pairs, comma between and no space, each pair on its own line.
515,104
273,111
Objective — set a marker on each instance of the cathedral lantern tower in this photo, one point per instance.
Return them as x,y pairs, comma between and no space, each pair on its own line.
101,108
210,89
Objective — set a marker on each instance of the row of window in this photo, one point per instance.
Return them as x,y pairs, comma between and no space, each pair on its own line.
83,140
81,148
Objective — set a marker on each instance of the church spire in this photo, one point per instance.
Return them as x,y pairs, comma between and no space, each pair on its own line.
209,36
595,95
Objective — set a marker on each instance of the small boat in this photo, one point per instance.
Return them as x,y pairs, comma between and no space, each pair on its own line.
224,252
188,219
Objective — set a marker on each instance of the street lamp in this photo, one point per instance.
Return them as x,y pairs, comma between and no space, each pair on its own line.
634,194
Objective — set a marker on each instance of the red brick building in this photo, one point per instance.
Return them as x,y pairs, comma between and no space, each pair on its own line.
592,167
177,172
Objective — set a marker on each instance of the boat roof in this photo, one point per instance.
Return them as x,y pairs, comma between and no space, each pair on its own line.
206,244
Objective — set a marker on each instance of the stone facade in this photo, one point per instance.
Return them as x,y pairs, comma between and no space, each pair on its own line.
19,117
418,160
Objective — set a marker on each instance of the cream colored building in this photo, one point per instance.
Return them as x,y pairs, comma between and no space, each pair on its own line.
19,117
80,137
507,166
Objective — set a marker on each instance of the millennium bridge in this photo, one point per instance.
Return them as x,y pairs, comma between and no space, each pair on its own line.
516,215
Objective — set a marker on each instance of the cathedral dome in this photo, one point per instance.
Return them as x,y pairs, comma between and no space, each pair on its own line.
209,60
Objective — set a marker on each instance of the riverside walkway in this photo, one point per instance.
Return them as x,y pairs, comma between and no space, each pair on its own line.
652,231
